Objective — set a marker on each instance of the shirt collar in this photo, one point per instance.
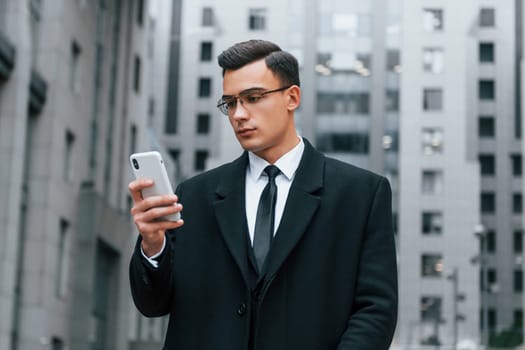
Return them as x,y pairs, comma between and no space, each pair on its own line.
287,164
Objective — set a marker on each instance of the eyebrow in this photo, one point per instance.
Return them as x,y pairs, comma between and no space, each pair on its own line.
252,89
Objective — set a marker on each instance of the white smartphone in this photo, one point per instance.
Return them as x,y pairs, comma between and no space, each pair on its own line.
150,165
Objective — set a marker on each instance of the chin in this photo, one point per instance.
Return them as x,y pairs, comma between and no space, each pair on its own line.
249,144
254,148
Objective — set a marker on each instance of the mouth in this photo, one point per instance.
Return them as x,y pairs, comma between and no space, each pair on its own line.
245,131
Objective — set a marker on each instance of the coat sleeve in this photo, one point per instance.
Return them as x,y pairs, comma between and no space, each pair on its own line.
372,322
152,288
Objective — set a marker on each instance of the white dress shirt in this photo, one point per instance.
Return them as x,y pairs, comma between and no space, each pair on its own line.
256,180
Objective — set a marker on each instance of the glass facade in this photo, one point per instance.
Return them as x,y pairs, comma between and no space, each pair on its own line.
343,70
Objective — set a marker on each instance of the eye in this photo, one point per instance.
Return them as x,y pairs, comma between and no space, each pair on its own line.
230,103
252,98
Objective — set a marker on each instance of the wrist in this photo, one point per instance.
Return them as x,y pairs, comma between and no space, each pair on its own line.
153,248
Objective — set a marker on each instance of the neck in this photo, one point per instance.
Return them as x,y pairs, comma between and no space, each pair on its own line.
272,155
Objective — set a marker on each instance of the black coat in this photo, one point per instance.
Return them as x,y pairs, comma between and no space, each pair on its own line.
331,277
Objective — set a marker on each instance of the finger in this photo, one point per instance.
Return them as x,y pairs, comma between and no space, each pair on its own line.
155,201
135,188
150,231
156,213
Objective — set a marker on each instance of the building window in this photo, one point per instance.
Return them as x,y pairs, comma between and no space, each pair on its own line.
492,277
393,61
392,100
207,17
151,106
140,12
344,143
390,141
487,17
344,64
136,74
432,60
200,160
68,155
132,139
487,164
74,78
129,204
430,309
57,343
206,51
432,223
62,260
432,182
488,202
432,99
203,123
516,165
518,319
486,90
517,205
486,127
175,156
432,141
257,19
517,241
343,103
431,265
204,87
492,318
486,52
433,20
490,241
518,281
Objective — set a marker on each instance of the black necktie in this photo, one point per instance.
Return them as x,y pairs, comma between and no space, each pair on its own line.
265,217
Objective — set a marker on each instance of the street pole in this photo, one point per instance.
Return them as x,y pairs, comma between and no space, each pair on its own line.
454,278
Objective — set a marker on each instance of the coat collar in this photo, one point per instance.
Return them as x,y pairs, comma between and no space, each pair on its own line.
302,202
230,212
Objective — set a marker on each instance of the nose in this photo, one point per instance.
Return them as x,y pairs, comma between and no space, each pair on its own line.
240,111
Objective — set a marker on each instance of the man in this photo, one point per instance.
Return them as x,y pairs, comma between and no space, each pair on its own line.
300,255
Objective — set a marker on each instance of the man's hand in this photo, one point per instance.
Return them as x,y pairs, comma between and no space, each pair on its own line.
147,213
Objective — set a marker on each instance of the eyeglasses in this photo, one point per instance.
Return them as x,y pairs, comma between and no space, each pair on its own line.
227,104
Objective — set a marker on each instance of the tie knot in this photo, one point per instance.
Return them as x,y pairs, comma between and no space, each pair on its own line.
272,171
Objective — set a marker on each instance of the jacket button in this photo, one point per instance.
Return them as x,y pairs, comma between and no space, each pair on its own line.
241,310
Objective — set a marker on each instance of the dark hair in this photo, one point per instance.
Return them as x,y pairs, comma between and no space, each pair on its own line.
281,63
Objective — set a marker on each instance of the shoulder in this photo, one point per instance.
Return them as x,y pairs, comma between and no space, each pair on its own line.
350,181
318,168
337,166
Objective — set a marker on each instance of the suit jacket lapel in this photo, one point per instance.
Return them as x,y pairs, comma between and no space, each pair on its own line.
301,205
230,211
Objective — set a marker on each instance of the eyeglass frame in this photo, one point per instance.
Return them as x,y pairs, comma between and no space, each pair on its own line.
222,105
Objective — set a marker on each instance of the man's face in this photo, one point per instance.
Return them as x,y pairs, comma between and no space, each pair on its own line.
263,123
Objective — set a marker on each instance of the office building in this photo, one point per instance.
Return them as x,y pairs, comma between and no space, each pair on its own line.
73,106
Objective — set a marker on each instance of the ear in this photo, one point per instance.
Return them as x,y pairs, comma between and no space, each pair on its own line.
293,98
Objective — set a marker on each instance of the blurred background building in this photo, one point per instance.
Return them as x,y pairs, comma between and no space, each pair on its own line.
426,93
439,179
73,105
